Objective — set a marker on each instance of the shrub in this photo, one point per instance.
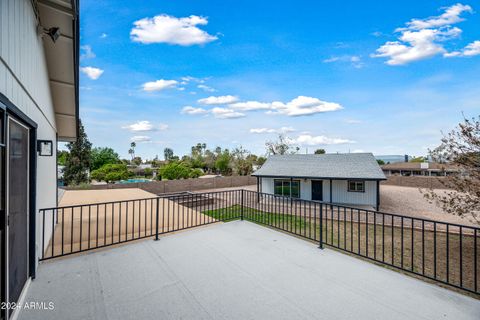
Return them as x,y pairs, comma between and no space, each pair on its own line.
111,173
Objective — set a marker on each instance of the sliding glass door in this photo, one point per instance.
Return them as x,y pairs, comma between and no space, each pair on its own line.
18,206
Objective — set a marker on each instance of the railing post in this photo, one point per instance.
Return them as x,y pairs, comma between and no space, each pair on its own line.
157,218
241,209
320,245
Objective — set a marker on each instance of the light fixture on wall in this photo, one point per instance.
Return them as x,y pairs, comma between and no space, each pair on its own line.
53,32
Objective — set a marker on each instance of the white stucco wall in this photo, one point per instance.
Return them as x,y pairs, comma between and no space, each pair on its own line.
24,81
340,192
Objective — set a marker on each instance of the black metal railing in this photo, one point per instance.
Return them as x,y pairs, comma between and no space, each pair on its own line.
440,251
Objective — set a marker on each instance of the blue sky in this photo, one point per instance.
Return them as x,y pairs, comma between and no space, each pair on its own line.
343,76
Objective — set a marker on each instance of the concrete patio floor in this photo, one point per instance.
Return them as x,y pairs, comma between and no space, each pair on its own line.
236,270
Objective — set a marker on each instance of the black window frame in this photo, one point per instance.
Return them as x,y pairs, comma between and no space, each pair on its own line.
356,183
275,181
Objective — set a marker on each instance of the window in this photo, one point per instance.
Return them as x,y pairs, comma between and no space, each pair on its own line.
282,188
356,186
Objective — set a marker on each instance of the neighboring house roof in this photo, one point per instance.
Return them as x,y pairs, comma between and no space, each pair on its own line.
326,166
419,166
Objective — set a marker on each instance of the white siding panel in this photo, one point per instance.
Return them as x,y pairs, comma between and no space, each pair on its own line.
340,193
24,81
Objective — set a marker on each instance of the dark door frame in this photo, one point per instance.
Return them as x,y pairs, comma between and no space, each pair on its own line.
10,110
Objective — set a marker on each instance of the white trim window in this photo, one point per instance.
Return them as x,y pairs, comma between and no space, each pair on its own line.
356,186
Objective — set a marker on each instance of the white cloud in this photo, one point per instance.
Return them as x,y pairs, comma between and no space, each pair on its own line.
103,35
193,111
140,139
159,85
87,52
168,29
449,17
225,113
330,60
423,38
92,72
472,49
303,106
309,140
144,126
206,88
355,61
267,130
219,100
187,79
251,106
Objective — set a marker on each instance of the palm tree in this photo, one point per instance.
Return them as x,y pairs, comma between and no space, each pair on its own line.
132,145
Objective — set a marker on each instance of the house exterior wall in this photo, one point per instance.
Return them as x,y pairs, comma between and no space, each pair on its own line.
24,81
340,192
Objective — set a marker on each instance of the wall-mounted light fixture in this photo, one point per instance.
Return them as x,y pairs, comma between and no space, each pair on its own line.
53,32
45,148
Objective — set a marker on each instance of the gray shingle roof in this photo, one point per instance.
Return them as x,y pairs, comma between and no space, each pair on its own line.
335,166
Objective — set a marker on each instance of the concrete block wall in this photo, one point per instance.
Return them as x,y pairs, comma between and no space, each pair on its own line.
169,186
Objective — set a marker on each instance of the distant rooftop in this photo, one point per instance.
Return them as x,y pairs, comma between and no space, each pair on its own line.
419,166
327,166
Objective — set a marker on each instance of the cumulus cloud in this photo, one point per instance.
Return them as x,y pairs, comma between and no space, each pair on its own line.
218,100
472,49
144,126
193,111
206,88
140,139
251,105
423,38
303,106
225,113
309,140
159,85
300,106
269,130
87,52
168,29
92,72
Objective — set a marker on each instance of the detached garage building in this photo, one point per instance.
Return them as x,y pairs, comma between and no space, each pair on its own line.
38,107
352,178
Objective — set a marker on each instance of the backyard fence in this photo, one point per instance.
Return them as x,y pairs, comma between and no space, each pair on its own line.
440,251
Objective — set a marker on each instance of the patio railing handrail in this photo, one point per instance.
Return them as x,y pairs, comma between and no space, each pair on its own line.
437,250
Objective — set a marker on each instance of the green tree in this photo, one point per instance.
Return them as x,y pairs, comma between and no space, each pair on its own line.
418,159
222,164
77,162
111,172
133,145
240,161
102,156
261,161
320,151
380,162
461,149
175,170
137,161
282,145
62,157
168,154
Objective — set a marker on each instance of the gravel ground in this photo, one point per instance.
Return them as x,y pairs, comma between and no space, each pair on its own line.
409,201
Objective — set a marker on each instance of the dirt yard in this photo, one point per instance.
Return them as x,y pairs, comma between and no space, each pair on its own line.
410,202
